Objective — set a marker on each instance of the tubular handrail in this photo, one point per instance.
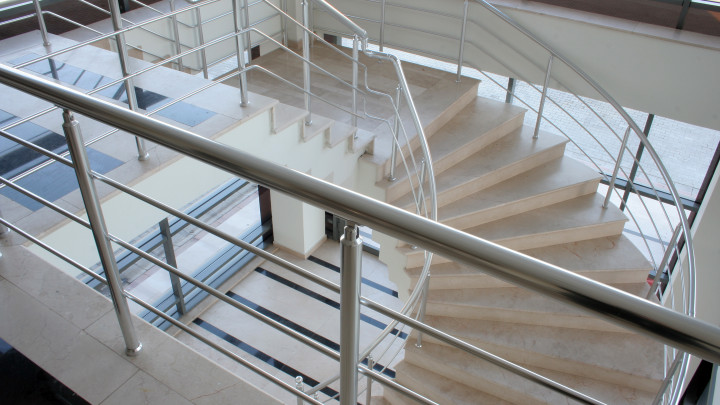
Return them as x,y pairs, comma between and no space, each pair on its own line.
681,331
342,18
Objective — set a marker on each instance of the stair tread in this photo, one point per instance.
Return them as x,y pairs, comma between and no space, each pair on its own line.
435,101
469,131
611,260
580,212
611,253
436,387
630,354
557,174
472,371
600,390
517,299
508,151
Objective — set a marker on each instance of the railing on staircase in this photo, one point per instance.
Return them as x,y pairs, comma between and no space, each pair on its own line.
652,202
419,169
356,208
681,331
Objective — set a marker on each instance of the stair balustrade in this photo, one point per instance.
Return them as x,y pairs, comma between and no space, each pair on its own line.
682,332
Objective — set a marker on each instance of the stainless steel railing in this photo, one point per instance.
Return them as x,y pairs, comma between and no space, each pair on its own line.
672,255
354,86
619,308
397,127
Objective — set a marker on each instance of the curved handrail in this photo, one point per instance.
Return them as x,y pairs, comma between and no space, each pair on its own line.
686,232
620,110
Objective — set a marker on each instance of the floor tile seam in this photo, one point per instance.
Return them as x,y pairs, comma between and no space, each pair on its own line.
251,357
76,330
54,310
378,366
367,315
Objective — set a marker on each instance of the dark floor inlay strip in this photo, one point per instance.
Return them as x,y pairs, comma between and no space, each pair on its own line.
325,300
365,281
301,329
262,356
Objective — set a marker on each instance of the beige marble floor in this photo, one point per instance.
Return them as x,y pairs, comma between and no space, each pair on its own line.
314,315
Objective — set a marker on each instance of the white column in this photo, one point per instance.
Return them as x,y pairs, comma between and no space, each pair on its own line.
297,227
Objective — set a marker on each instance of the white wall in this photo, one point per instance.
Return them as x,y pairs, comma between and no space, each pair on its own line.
642,71
707,254
217,24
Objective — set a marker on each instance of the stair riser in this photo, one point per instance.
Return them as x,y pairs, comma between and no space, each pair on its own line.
458,281
521,317
519,207
528,358
524,242
508,393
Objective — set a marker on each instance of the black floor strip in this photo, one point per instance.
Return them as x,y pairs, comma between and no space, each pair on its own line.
262,356
301,329
325,300
365,281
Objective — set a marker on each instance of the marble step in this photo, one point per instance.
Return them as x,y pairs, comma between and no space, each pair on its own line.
519,305
609,260
436,106
510,156
553,182
470,371
628,360
581,218
435,387
600,390
479,124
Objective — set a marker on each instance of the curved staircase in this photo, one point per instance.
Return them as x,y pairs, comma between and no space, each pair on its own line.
496,182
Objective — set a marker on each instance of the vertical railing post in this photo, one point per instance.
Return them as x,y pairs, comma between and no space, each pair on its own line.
368,387
544,96
671,248
125,68
300,387
201,39
636,165
171,259
306,64
240,49
510,96
396,136
382,26
423,304
3,228
283,19
611,186
41,23
99,230
461,55
246,27
176,36
356,61
350,272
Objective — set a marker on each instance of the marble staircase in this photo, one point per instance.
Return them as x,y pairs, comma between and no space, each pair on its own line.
496,182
